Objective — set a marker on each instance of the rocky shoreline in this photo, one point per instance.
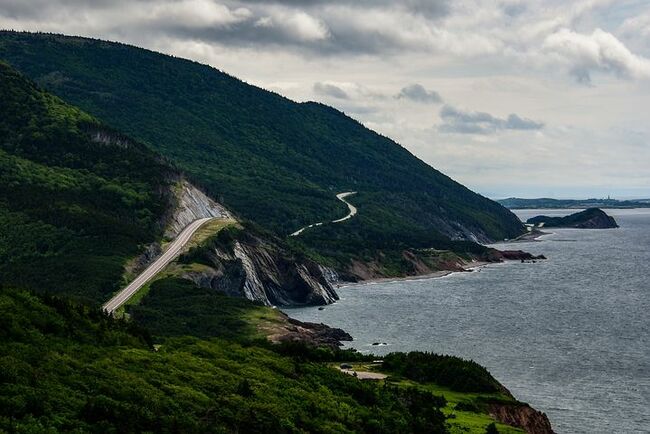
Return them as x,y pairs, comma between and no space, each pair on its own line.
320,335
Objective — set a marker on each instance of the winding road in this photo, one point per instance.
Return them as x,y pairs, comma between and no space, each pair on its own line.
159,264
341,197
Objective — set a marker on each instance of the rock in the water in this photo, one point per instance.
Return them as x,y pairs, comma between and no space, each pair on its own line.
592,218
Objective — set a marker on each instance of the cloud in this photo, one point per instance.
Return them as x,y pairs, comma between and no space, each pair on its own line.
601,51
464,122
332,90
483,53
296,24
427,8
417,92
637,26
197,14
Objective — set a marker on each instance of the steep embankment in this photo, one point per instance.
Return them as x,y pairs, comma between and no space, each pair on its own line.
240,263
270,159
592,218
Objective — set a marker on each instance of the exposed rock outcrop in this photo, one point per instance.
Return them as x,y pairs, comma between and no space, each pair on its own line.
521,416
188,203
516,255
315,334
424,262
191,204
245,265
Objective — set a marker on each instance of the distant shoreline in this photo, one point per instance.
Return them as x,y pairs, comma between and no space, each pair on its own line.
467,268
533,235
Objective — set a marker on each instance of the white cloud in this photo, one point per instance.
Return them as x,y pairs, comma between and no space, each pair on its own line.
637,26
298,24
499,57
599,51
195,13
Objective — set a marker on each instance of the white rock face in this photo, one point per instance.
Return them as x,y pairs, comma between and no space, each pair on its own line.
256,270
192,204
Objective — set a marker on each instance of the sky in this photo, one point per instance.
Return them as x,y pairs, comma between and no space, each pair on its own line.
527,98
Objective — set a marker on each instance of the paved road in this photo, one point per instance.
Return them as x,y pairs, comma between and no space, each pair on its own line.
341,197
365,375
170,254
353,210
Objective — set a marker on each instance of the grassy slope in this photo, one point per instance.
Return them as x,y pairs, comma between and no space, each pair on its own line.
71,209
269,159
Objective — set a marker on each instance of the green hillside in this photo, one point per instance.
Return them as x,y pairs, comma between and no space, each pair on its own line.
76,200
65,367
72,207
274,161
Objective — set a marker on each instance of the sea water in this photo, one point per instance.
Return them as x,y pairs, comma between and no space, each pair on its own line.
568,335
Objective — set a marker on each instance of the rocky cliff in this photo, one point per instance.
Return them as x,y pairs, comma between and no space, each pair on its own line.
239,263
522,416
292,330
592,218
191,204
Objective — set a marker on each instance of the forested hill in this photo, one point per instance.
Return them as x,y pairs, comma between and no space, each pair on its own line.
76,198
267,158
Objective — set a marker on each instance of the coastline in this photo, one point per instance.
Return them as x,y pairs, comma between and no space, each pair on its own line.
467,268
533,235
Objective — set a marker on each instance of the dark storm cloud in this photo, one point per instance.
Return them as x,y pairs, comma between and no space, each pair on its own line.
417,92
462,122
330,90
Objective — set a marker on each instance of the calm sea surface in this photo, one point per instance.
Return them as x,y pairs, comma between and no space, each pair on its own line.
568,335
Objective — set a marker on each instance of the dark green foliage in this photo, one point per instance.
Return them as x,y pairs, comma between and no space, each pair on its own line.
65,367
305,352
76,198
491,429
176,307
271,160
452,372
470,406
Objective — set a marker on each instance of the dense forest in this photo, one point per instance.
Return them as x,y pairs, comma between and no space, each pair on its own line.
76,198
269,159
66,367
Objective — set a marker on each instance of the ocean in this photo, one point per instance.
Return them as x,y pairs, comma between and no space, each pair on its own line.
568,335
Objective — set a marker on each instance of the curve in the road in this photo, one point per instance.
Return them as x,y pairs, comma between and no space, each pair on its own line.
341,197
159,264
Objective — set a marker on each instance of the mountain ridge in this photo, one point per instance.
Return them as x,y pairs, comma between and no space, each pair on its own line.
267,158
83,206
